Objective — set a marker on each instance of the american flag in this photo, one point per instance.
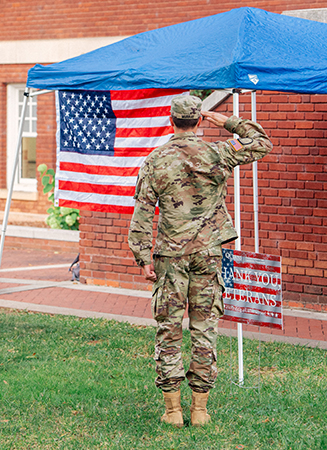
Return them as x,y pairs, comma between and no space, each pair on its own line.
102,139
253,292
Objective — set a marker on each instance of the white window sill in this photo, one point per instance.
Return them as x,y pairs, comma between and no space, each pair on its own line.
20,195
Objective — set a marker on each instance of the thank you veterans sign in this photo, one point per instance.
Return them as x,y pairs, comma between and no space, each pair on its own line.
253,292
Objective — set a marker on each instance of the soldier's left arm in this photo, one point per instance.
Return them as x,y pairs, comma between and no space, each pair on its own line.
141,227
251,145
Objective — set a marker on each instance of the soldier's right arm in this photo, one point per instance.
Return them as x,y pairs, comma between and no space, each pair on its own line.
141,228
251,145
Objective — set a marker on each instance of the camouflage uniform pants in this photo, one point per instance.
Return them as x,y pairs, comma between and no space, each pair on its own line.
194,279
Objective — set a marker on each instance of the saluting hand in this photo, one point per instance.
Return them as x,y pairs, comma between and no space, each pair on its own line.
216,118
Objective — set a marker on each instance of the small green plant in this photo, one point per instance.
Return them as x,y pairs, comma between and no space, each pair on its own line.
59,216
202,93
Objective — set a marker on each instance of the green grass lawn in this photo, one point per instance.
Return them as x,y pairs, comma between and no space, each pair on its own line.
69,383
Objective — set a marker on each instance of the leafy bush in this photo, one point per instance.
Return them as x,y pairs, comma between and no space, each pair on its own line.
59,216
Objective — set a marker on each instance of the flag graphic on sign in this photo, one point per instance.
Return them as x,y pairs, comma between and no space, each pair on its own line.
103,138
253,292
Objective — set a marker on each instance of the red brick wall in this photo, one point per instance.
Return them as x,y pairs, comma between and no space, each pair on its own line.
72,19
46,139
292,203
105,257
292,185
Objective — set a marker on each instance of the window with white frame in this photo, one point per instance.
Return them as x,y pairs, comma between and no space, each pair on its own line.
25,177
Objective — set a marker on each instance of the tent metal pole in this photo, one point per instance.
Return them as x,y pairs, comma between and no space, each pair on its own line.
237,204
237,215
255,179
35,93
11,187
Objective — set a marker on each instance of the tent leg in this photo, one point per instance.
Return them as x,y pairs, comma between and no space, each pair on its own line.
255,180
237,213
11,187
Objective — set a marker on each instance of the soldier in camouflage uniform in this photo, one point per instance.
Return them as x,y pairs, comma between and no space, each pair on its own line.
188,177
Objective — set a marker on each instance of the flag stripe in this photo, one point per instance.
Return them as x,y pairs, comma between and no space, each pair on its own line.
142,132
88,206
143,112
143,103
113,180
97,170
99,160
129,151
97,188
92,197
142,142
142,122
270,259
144,93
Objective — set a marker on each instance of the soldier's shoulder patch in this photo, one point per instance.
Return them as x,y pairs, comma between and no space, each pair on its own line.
245,141
236,144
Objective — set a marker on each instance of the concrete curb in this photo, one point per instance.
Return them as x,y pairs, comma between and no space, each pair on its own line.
151,322
29,284
42,233
75,312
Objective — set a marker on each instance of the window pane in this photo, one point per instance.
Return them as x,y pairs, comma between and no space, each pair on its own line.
28,157
34,126
26,127
21,95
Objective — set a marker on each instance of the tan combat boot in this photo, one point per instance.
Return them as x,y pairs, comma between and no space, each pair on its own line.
173,413
199,414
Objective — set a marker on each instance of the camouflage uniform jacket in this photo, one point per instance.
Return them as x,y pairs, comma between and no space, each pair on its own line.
188,176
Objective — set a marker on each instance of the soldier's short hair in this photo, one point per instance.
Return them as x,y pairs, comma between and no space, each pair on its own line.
185,124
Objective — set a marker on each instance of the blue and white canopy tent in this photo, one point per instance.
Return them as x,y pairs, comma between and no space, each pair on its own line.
243,49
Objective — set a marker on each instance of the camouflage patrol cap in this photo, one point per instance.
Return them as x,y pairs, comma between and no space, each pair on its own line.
186,107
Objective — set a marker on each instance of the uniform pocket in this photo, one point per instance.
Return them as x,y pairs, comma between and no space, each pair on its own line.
221,282
159,302
217,307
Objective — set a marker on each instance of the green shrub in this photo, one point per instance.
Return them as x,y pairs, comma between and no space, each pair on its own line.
59,216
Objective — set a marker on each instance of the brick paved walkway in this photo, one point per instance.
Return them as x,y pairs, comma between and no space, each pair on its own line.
39,281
